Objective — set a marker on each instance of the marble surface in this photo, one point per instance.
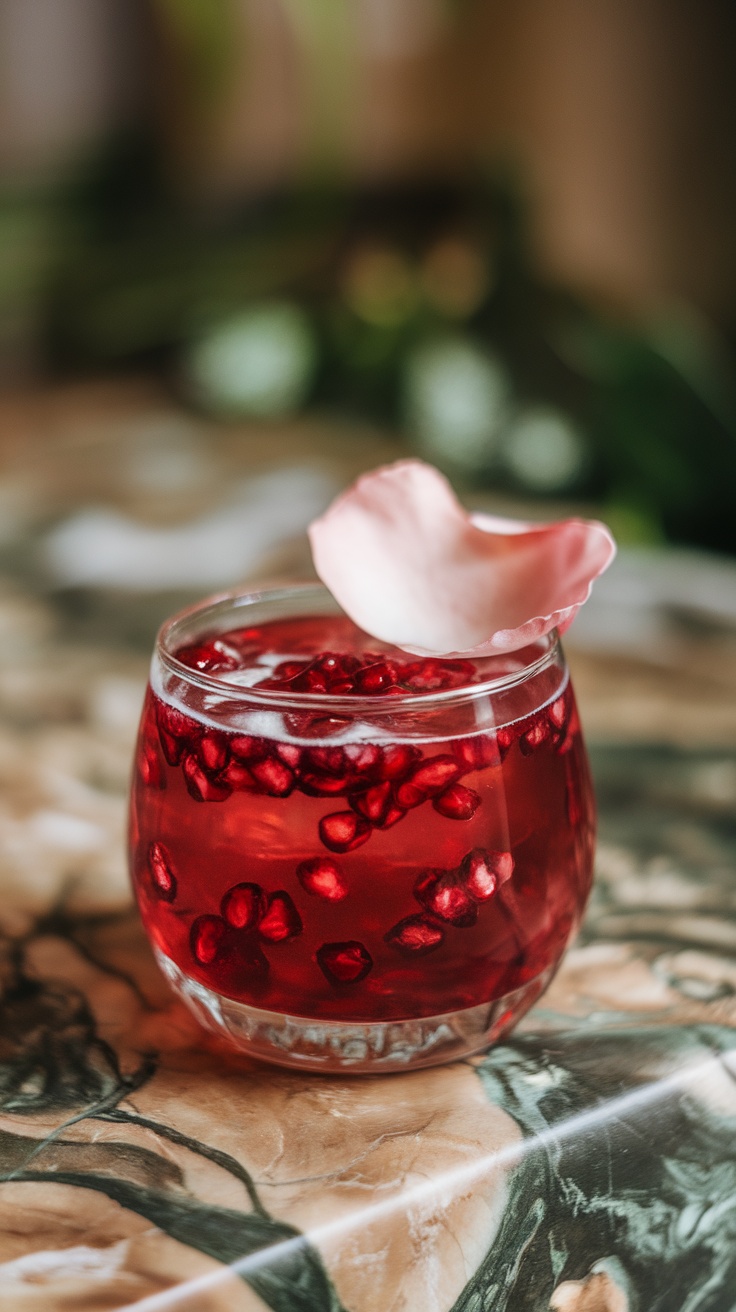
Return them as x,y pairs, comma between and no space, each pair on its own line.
586,1165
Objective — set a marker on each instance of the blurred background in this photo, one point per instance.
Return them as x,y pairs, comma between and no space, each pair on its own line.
249,248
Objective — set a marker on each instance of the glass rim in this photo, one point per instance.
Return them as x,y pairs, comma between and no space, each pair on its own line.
348,704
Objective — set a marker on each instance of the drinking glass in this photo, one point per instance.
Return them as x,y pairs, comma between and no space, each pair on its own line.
361,882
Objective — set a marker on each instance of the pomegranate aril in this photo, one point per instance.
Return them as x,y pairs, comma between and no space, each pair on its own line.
173,748
315,726
322,878
290,754
246,748
558,712
476,753
363,758
442,894
433,776
433,675
213,751
344,963
288,670
200,786
415,936
398,760
409,796
392,817
324,785
209,657
457,802
149,766
274,777
341,688
243,905
207,938
281,920
325,760
238,777
482,872
175,722
506,736
535,737
343,831
427,779
376,678
373,803
164,879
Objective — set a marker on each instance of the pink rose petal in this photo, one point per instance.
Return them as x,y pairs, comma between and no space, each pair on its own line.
411,567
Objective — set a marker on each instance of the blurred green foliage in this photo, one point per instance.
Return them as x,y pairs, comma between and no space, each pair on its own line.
415,306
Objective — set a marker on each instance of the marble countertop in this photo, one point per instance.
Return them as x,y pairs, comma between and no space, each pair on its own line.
588,1164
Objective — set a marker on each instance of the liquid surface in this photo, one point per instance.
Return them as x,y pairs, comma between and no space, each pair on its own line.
330,654
361,880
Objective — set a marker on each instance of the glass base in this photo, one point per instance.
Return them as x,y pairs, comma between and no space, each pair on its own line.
360,1047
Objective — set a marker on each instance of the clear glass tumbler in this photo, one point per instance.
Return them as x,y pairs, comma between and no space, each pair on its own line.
364,882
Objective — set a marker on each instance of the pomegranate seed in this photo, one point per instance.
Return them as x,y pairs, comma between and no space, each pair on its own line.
164,879
326,760
288,670
149,766
457,802
536,737
312,679
213,751
206,938
200,786
408,795
483,872
290,754
363,758
322,878
176,723
343,831
342,688
208,656
476,753
243,905
434,775
441,893
415,935
324,785
246,748
398,760
505,738
376,678
315,726
274,777
281,920
173,748
374,803
557,712
392,817
238,777
327,661
344,963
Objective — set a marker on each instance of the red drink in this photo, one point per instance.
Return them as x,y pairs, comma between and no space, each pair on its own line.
346,855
